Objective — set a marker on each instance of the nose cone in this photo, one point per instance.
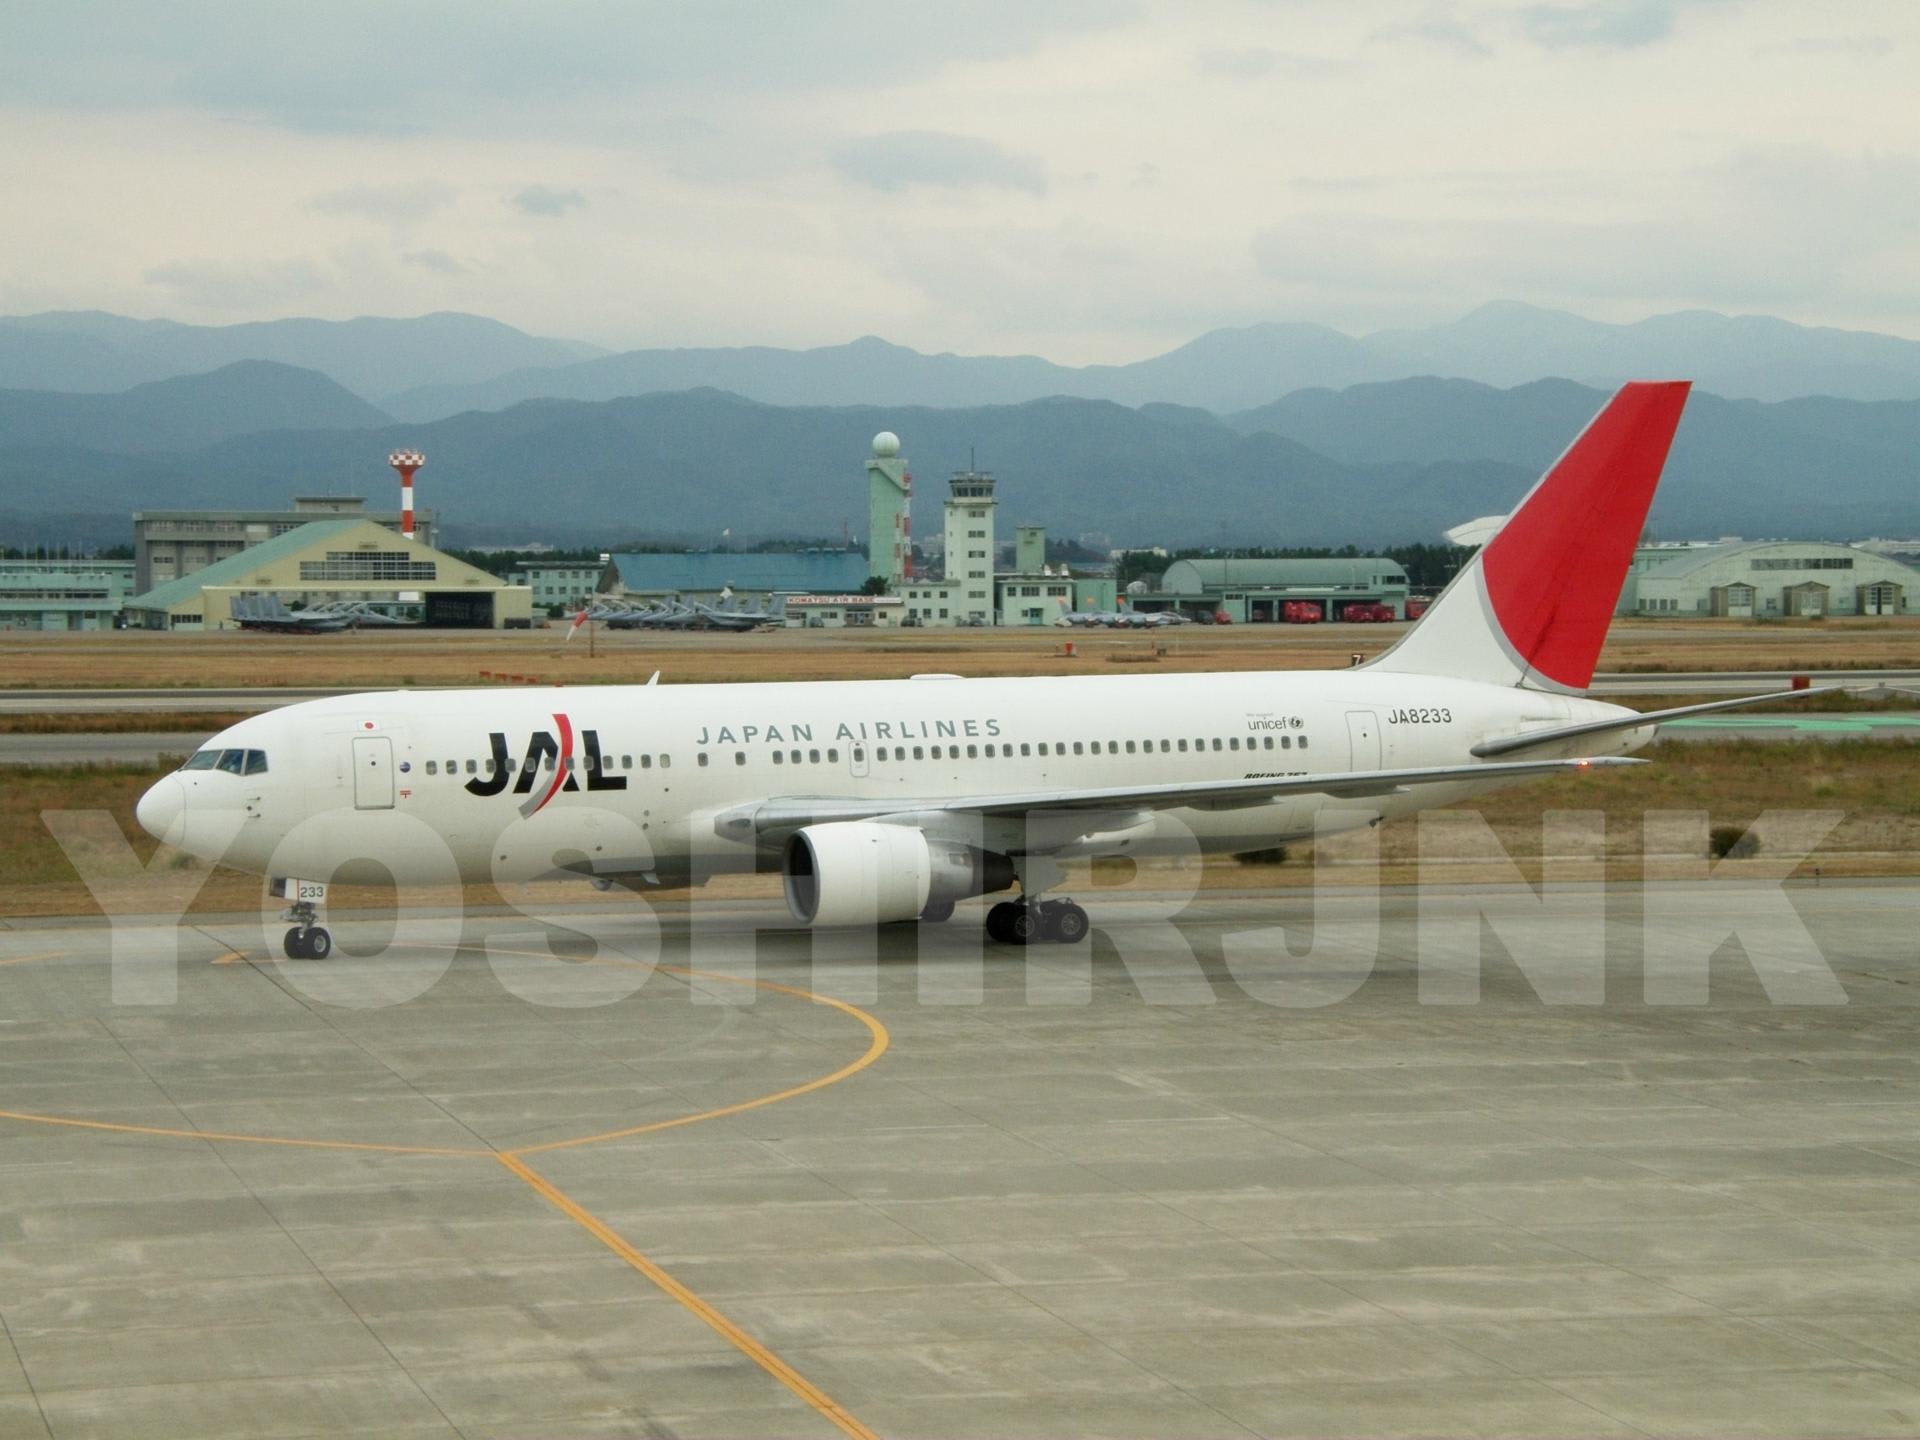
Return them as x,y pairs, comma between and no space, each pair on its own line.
162,810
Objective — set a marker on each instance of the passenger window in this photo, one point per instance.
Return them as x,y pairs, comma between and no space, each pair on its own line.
1043,747
1077,748
740,757
1303,742
433,767
1113,747
472,768
1183,747
934,751
1165,746
813,757
666,761
989,752
1234,743
646,762
973,752
257,762
794,756
549,760
1286,742
202,760
778,758
1216,742
569,763
703,757
1129,747
833,757
232,761
1025,748
919,752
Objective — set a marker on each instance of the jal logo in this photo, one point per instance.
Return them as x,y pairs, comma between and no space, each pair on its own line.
551,764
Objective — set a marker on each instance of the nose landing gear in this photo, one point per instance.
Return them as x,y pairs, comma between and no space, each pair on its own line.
1033,922
308,942
308,939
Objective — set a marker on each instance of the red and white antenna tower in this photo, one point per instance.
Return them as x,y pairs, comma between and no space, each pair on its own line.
406,462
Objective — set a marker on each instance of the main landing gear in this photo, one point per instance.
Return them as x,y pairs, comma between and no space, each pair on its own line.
1035,922
306,940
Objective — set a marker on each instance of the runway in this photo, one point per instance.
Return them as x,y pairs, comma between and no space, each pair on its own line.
1198,1179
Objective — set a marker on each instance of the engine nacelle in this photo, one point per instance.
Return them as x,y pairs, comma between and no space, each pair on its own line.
859,872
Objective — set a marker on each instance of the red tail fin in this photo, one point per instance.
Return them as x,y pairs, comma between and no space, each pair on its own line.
1532,608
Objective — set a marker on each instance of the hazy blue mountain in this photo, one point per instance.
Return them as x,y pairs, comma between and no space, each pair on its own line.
1373,464
1743,356
1234,369
90,350
187,413
1813,467
867,371
1222,370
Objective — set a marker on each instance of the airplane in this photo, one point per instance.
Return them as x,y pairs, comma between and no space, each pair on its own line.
888,801
269,613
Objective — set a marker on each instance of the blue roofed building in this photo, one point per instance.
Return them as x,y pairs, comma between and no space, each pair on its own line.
707,574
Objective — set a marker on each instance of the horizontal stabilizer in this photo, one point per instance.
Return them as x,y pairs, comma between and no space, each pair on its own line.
1509,744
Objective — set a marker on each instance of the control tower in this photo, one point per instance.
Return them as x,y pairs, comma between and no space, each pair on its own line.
969,533
889,513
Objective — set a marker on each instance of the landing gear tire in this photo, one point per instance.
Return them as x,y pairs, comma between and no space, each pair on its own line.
307,943
938,913
1067,923
1000,922
1023,926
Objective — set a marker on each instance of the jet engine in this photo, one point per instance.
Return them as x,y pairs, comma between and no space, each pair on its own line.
859,872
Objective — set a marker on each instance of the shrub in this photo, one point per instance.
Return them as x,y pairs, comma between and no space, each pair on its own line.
1274,855
1732,842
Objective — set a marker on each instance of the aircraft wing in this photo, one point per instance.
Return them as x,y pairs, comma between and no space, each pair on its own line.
1508,744
784,814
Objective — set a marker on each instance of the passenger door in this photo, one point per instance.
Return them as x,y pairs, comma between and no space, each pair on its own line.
372,772
1363,733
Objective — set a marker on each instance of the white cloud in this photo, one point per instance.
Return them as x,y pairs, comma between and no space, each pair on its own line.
906,158
1082,179
545,201
401,203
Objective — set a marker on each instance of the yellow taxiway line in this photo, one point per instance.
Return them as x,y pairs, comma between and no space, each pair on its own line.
793,1380
732,1333
878,1041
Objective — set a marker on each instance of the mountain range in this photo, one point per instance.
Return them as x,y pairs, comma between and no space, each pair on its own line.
433,366
1235,369
90,350
1369,463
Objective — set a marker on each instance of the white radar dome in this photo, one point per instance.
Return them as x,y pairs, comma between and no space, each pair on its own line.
886,445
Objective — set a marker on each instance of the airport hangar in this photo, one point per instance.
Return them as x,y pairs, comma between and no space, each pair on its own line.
1762,578
1254,590
345,559
168,544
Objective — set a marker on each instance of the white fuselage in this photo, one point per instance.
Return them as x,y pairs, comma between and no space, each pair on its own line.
628,781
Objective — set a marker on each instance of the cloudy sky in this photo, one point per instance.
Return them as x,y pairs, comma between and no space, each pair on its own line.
1088,179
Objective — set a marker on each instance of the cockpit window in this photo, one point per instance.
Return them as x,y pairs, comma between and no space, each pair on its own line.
202,760
256,762
232,761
